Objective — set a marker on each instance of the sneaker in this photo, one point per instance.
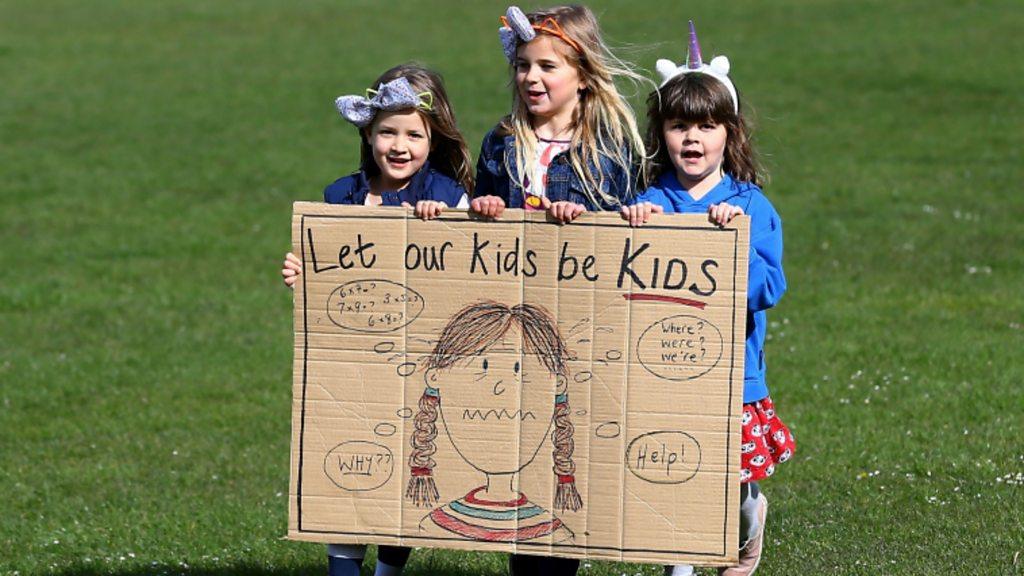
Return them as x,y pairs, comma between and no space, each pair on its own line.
750,554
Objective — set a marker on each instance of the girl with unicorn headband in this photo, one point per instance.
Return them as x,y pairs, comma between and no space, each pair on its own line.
704,162
571,143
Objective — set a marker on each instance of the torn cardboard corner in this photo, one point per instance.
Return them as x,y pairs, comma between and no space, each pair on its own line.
519,385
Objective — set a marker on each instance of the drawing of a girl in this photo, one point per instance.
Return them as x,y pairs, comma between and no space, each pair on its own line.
491,377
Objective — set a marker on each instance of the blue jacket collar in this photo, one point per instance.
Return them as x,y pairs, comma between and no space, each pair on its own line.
417,183
725,189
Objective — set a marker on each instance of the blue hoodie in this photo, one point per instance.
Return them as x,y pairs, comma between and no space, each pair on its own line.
426,184
766,282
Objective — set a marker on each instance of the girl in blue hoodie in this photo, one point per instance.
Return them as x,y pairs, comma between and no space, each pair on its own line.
704,163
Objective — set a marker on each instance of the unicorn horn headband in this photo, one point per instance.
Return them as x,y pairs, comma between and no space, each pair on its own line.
516,26
717,69
395,95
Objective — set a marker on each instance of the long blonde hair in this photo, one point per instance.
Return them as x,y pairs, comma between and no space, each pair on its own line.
603,122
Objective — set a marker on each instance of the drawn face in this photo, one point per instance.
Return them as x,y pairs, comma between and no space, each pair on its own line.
400,142
547,82
696,149
503,397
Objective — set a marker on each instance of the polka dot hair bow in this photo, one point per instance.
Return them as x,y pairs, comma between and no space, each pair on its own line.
395,95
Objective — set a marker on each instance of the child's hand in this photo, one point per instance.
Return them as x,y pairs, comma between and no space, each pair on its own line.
292,269
723,213
489,206
639,214
428,209
563,211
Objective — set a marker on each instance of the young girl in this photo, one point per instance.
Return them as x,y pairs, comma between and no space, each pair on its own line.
704,163
571,143
412,154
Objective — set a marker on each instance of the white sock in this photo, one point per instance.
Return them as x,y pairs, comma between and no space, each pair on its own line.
350,551
679,570
750,524
387,569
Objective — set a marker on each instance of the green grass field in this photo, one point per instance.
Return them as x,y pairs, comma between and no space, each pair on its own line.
150,152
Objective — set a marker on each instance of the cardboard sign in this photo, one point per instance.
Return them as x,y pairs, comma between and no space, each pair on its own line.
519,385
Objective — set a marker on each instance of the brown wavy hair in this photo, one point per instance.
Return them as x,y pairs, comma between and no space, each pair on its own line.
696,97
470,332
449,154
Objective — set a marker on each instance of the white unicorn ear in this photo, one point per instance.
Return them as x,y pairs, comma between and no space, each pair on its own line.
666,68
720,64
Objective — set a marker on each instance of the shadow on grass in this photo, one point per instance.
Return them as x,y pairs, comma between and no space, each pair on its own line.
315,569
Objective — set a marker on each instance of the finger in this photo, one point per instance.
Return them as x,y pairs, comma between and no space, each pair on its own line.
565,212
624,212
289,257
406,205
545,202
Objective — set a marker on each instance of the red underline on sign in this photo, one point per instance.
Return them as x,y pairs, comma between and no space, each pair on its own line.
660,298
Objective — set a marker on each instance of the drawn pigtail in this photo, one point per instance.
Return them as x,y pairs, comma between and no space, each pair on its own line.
566,495
422,490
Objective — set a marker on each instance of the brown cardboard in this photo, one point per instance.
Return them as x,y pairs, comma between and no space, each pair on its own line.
652,380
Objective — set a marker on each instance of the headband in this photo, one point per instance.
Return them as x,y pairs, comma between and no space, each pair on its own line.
395,95
516,26
717,69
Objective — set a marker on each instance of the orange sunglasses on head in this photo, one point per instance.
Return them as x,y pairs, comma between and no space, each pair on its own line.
550,25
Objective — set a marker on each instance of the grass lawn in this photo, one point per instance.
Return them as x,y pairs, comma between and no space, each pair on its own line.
150,152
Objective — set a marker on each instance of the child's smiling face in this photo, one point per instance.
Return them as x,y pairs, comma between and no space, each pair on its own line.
547,82
504,394
696,149
400,142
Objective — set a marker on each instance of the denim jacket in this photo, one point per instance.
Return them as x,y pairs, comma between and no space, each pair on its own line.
496,175
427,184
